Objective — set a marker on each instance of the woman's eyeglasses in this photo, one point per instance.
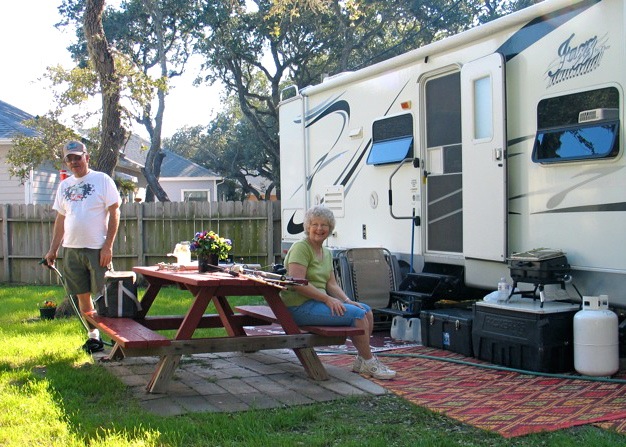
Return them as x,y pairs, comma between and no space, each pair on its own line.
323,226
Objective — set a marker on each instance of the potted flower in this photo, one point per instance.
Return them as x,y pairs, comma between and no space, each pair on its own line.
209,247
47,309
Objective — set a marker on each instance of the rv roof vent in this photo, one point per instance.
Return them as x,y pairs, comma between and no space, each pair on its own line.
597,115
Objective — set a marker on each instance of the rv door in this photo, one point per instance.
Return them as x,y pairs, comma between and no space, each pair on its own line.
483,112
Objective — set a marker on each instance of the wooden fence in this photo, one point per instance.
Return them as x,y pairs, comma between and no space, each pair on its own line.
148,231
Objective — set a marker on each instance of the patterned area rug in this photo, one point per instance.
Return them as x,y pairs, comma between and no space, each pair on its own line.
507,402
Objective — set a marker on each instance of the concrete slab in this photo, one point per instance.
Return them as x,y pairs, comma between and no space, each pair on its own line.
233,381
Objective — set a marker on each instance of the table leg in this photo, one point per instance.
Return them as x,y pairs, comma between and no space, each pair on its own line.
307,356
148,298
160,380
226,312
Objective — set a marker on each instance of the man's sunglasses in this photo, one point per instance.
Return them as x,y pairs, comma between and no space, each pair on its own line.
70,158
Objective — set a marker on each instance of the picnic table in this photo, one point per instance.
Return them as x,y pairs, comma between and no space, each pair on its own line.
138,337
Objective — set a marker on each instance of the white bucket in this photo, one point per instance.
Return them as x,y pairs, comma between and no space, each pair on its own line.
596,338
398,328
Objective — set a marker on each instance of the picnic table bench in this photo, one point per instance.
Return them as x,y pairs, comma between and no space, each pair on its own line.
140,337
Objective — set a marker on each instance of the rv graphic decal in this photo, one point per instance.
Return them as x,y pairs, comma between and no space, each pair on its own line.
576,60
588,176
294,228
539,28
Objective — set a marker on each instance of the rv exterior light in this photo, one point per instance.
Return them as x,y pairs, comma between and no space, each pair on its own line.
406,105
356,133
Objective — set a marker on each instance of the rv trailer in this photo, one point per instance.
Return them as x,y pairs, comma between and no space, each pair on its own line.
502,139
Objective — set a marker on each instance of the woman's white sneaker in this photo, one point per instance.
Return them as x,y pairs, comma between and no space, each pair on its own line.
356,365
377,370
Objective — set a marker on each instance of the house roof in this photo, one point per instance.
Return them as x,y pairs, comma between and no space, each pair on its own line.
176,166
11,122
133,155
173,165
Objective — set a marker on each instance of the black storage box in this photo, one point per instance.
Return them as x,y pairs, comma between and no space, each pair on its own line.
449,329
525,336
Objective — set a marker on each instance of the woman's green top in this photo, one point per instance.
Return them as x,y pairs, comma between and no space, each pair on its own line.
317,271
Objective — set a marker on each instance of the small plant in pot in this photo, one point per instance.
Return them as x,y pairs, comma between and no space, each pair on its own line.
209,247
47,309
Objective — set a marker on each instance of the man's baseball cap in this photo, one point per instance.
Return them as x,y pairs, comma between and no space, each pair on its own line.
74,147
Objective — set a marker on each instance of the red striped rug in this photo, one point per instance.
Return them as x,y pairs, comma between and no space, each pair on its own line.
507,402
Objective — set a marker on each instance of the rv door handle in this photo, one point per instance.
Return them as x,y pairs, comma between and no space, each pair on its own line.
497,154
426,173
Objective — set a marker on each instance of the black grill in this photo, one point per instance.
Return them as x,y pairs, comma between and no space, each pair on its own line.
546,271
539,272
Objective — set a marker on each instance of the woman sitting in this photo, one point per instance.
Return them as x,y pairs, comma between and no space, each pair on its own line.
322,302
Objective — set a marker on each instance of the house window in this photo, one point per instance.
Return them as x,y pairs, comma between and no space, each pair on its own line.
392,140
196,195
580,126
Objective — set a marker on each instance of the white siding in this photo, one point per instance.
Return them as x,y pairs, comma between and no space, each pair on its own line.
11,191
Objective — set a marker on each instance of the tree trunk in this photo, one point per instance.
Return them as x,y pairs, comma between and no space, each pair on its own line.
112,133
152,169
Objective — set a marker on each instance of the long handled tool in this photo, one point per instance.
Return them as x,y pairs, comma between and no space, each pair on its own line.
70,297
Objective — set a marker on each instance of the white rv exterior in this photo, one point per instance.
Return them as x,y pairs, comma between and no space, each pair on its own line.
502,139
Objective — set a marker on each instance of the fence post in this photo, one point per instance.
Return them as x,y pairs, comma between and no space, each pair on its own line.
269,207
140,242
5,242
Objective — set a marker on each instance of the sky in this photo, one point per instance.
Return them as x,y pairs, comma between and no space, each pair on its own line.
30,43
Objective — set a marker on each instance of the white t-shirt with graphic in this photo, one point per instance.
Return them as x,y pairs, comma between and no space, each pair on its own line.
85,204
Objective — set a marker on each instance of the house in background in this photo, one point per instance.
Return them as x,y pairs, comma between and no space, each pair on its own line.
181,179
185,181
41,184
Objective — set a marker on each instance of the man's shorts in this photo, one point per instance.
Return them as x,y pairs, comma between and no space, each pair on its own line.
82,271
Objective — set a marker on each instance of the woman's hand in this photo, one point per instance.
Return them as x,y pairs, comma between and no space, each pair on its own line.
336,306
354,303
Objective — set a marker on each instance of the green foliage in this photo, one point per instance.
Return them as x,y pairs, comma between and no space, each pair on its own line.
228,145
27,153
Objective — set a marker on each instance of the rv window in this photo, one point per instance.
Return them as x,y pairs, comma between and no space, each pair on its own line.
596,140
443,110
392,140
578,126
390,151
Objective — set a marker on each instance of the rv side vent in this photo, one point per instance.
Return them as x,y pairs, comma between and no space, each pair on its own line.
334,199
587,116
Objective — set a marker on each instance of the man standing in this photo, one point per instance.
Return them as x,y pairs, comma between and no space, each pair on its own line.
87,221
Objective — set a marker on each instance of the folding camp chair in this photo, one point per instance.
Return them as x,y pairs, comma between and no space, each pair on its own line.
372,276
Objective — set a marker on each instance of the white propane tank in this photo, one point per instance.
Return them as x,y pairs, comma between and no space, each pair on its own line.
398,328
596,338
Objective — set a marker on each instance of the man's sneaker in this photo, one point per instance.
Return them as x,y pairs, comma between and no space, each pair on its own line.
377,370
356,365
93,345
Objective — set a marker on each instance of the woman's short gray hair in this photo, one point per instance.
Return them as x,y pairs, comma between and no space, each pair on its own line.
319,211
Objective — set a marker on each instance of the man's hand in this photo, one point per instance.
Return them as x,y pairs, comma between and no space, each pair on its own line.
106,256
50,257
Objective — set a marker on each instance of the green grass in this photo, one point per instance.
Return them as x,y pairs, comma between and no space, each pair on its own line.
52,394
